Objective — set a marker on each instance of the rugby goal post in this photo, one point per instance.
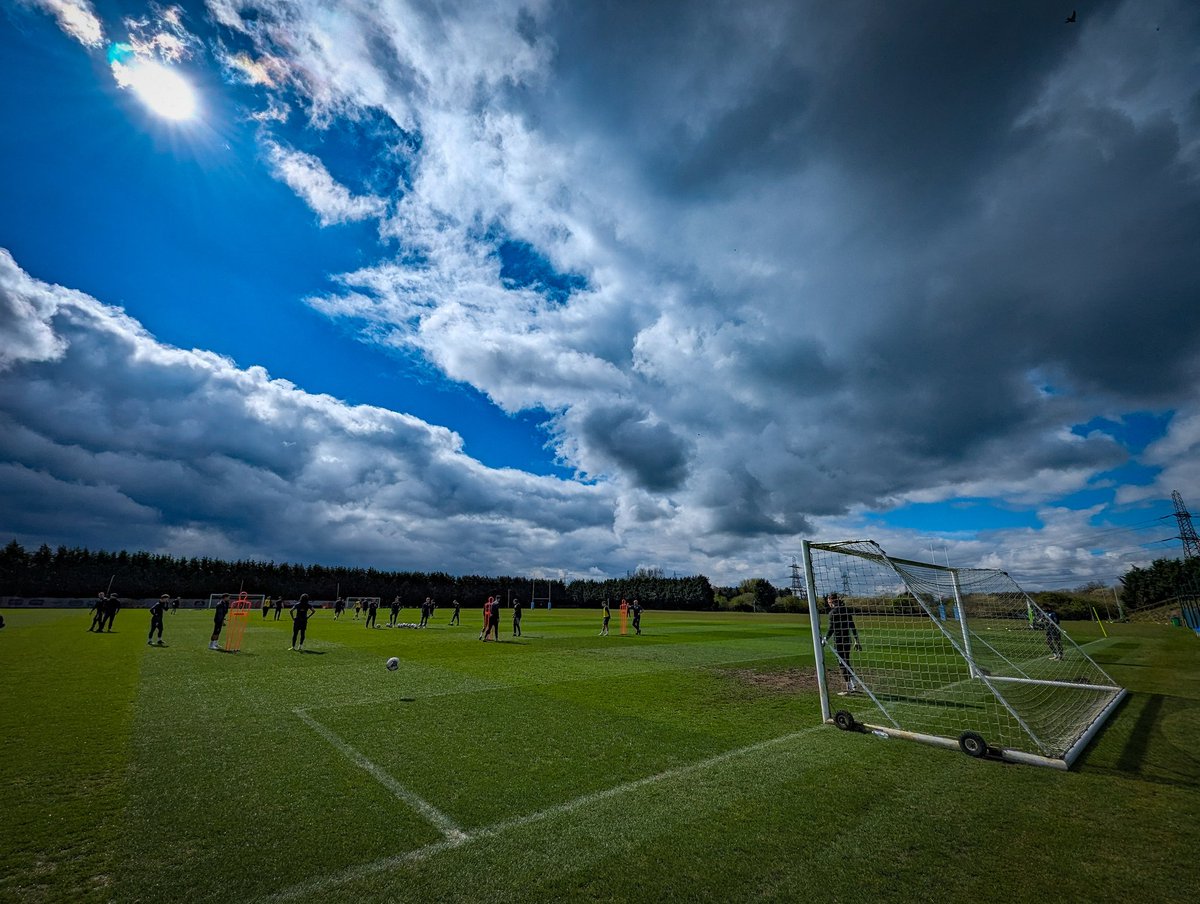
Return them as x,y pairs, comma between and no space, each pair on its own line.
241,604
956,657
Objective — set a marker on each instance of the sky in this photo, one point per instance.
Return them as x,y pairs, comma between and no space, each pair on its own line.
567,289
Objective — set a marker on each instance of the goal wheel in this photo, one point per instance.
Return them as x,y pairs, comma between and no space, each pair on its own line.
843,720
972,744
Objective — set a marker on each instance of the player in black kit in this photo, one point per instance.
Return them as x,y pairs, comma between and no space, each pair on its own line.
841,627
219,620
157,611
372,611
300,613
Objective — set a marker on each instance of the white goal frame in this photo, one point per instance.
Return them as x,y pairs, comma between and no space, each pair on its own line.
953,657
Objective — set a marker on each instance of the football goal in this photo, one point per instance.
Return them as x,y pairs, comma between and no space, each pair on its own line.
957,657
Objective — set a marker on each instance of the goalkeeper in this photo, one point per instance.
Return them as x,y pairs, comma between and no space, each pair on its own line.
841,629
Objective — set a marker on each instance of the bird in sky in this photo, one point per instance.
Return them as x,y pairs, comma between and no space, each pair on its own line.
1071,18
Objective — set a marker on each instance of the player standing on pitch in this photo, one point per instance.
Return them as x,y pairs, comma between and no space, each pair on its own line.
219,620
98,612
841,627
494,624
395,613
607,616
372,611
516,606
1053,634
454,617
157,611
112,606
300,613
636,609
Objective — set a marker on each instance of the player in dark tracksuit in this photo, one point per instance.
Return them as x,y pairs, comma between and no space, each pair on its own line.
454,617
278,608
1053,634
841,629
395,613
300,613
636,609
97,611
219,620
112,606
516,606
372,611
157,611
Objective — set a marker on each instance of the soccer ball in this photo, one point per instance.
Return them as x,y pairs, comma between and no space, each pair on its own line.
393,664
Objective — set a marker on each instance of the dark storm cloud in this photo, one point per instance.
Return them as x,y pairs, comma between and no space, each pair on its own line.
651,453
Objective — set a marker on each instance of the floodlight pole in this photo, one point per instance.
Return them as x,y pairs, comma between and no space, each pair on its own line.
814,619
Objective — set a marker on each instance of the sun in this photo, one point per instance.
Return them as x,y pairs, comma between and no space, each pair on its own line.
162,89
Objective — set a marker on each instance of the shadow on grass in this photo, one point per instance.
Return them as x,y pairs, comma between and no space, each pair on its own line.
313,652
1148,753
924,701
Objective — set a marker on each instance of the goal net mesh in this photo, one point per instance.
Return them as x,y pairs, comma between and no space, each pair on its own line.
948,650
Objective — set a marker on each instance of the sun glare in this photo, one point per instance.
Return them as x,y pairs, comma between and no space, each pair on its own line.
163,90
159,87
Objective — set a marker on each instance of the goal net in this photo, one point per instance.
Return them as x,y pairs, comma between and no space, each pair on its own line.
960,657
240,607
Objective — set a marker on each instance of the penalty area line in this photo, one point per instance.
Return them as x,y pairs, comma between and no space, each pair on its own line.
454,835
386,864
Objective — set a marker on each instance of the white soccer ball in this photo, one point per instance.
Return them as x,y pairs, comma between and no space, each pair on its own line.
393,664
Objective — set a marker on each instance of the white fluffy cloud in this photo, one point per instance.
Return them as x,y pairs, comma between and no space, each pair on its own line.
157,446
75,17
307,177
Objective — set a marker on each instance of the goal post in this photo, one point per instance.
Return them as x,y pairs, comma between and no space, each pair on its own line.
958,657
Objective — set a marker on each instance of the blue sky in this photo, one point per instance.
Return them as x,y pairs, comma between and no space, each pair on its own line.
566,289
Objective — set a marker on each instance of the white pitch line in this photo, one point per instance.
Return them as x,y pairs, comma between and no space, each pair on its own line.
387,863
445,824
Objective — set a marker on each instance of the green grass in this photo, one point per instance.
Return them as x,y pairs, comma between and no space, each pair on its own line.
560,766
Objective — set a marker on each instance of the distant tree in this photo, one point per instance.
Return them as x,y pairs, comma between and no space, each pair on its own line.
1162,580
761,591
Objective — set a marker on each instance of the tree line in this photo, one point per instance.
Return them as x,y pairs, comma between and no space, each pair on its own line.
77,572
1162,580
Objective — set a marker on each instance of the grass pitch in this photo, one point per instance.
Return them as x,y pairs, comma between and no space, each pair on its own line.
683,765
